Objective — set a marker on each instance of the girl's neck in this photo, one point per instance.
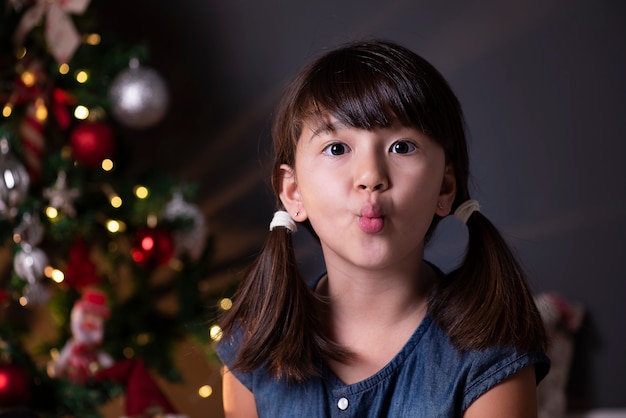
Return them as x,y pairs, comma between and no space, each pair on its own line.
376,297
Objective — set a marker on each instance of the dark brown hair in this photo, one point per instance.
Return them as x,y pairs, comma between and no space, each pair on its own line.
484,302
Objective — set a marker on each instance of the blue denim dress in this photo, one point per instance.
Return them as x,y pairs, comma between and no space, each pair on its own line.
427,378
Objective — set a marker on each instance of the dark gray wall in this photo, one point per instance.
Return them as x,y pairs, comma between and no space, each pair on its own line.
543,87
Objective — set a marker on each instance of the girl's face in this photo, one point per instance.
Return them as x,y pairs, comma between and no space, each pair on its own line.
369,195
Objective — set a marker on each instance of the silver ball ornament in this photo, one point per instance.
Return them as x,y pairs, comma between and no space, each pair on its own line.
14,181
139,96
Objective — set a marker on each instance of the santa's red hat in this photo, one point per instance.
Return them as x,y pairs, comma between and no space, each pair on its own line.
144,398
93,300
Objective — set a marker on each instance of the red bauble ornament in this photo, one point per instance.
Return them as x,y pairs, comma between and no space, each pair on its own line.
92,142
152,247
80,271
14,385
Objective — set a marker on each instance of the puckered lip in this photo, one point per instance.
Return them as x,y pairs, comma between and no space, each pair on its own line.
371,219
370,210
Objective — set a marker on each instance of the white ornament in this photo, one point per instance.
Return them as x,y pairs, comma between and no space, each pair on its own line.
62,198
29,263
192,239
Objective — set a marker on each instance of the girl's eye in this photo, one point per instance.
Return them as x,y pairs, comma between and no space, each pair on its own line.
403,147
336,149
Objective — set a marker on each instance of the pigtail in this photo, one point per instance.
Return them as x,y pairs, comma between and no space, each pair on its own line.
486,301
274,314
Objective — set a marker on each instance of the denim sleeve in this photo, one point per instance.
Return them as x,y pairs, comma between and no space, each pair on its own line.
489,370
227,350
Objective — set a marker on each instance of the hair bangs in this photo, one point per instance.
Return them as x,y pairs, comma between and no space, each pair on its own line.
360,92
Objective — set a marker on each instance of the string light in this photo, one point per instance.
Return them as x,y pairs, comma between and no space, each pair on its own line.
64,68
51,212
93,39
116,201
41,112
205,391
114,226
7,110
107,164
28,78
215,332
226,304
57,276
147,243
81,112
141,192
82,77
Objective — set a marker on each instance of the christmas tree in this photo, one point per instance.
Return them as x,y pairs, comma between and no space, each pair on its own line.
116,257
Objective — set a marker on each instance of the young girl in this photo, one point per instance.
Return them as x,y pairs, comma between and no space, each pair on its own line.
370,156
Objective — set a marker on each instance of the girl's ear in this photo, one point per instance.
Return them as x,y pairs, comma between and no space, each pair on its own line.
447,192
289,193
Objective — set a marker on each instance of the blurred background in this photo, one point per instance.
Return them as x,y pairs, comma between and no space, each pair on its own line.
542,85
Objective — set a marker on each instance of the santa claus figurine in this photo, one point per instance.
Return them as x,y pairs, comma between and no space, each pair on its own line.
82,356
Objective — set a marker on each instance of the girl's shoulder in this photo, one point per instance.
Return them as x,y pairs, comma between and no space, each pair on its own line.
480,370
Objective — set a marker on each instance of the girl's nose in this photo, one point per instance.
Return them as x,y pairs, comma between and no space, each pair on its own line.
371,174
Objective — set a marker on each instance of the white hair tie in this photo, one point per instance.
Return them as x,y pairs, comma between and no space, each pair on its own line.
282,218
465,210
